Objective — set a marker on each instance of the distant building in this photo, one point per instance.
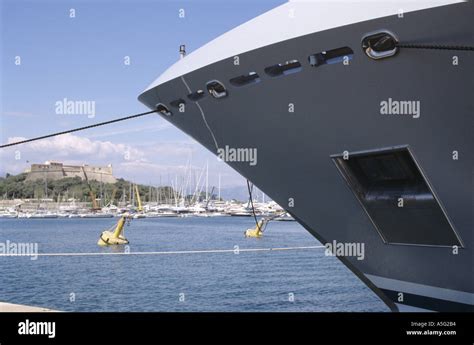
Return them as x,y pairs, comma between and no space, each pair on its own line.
56,171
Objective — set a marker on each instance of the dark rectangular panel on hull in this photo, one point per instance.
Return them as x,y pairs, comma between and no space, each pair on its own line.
397,197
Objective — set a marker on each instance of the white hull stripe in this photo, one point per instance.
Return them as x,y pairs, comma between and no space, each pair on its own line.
422,290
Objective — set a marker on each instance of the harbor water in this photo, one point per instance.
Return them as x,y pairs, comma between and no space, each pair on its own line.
293,280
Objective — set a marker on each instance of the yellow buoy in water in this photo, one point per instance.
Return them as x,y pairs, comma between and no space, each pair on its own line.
257,231
116,236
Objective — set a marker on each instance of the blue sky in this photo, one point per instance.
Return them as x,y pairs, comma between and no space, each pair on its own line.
82,58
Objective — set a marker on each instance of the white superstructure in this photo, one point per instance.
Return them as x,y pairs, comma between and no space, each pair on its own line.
292,19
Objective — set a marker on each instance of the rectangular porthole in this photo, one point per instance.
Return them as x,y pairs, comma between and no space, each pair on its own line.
250,78
196,96
397,197
330,57
286,68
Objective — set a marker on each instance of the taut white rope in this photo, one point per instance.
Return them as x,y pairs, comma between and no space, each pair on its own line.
174,252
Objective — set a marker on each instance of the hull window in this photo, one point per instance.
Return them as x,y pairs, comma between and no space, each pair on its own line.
251,78
196,96
397,197
380,45
216,89
331,56
288,67
163,109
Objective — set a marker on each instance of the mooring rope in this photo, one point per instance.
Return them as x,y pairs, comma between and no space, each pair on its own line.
174,252
250,188
202,115
435,46
78,129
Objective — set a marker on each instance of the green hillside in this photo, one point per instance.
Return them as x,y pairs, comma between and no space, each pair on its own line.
15,186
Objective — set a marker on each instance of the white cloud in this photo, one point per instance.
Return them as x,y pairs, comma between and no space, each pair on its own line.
69,145
143,129
67,148
145,162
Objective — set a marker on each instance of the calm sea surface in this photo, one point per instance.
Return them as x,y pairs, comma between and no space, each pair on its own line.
249,281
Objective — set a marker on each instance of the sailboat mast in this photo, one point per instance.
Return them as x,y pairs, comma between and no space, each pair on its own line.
207,180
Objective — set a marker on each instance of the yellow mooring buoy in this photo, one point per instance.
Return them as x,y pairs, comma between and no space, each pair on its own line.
116,236
258,230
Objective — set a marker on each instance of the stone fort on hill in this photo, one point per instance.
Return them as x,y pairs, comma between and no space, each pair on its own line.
57,170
